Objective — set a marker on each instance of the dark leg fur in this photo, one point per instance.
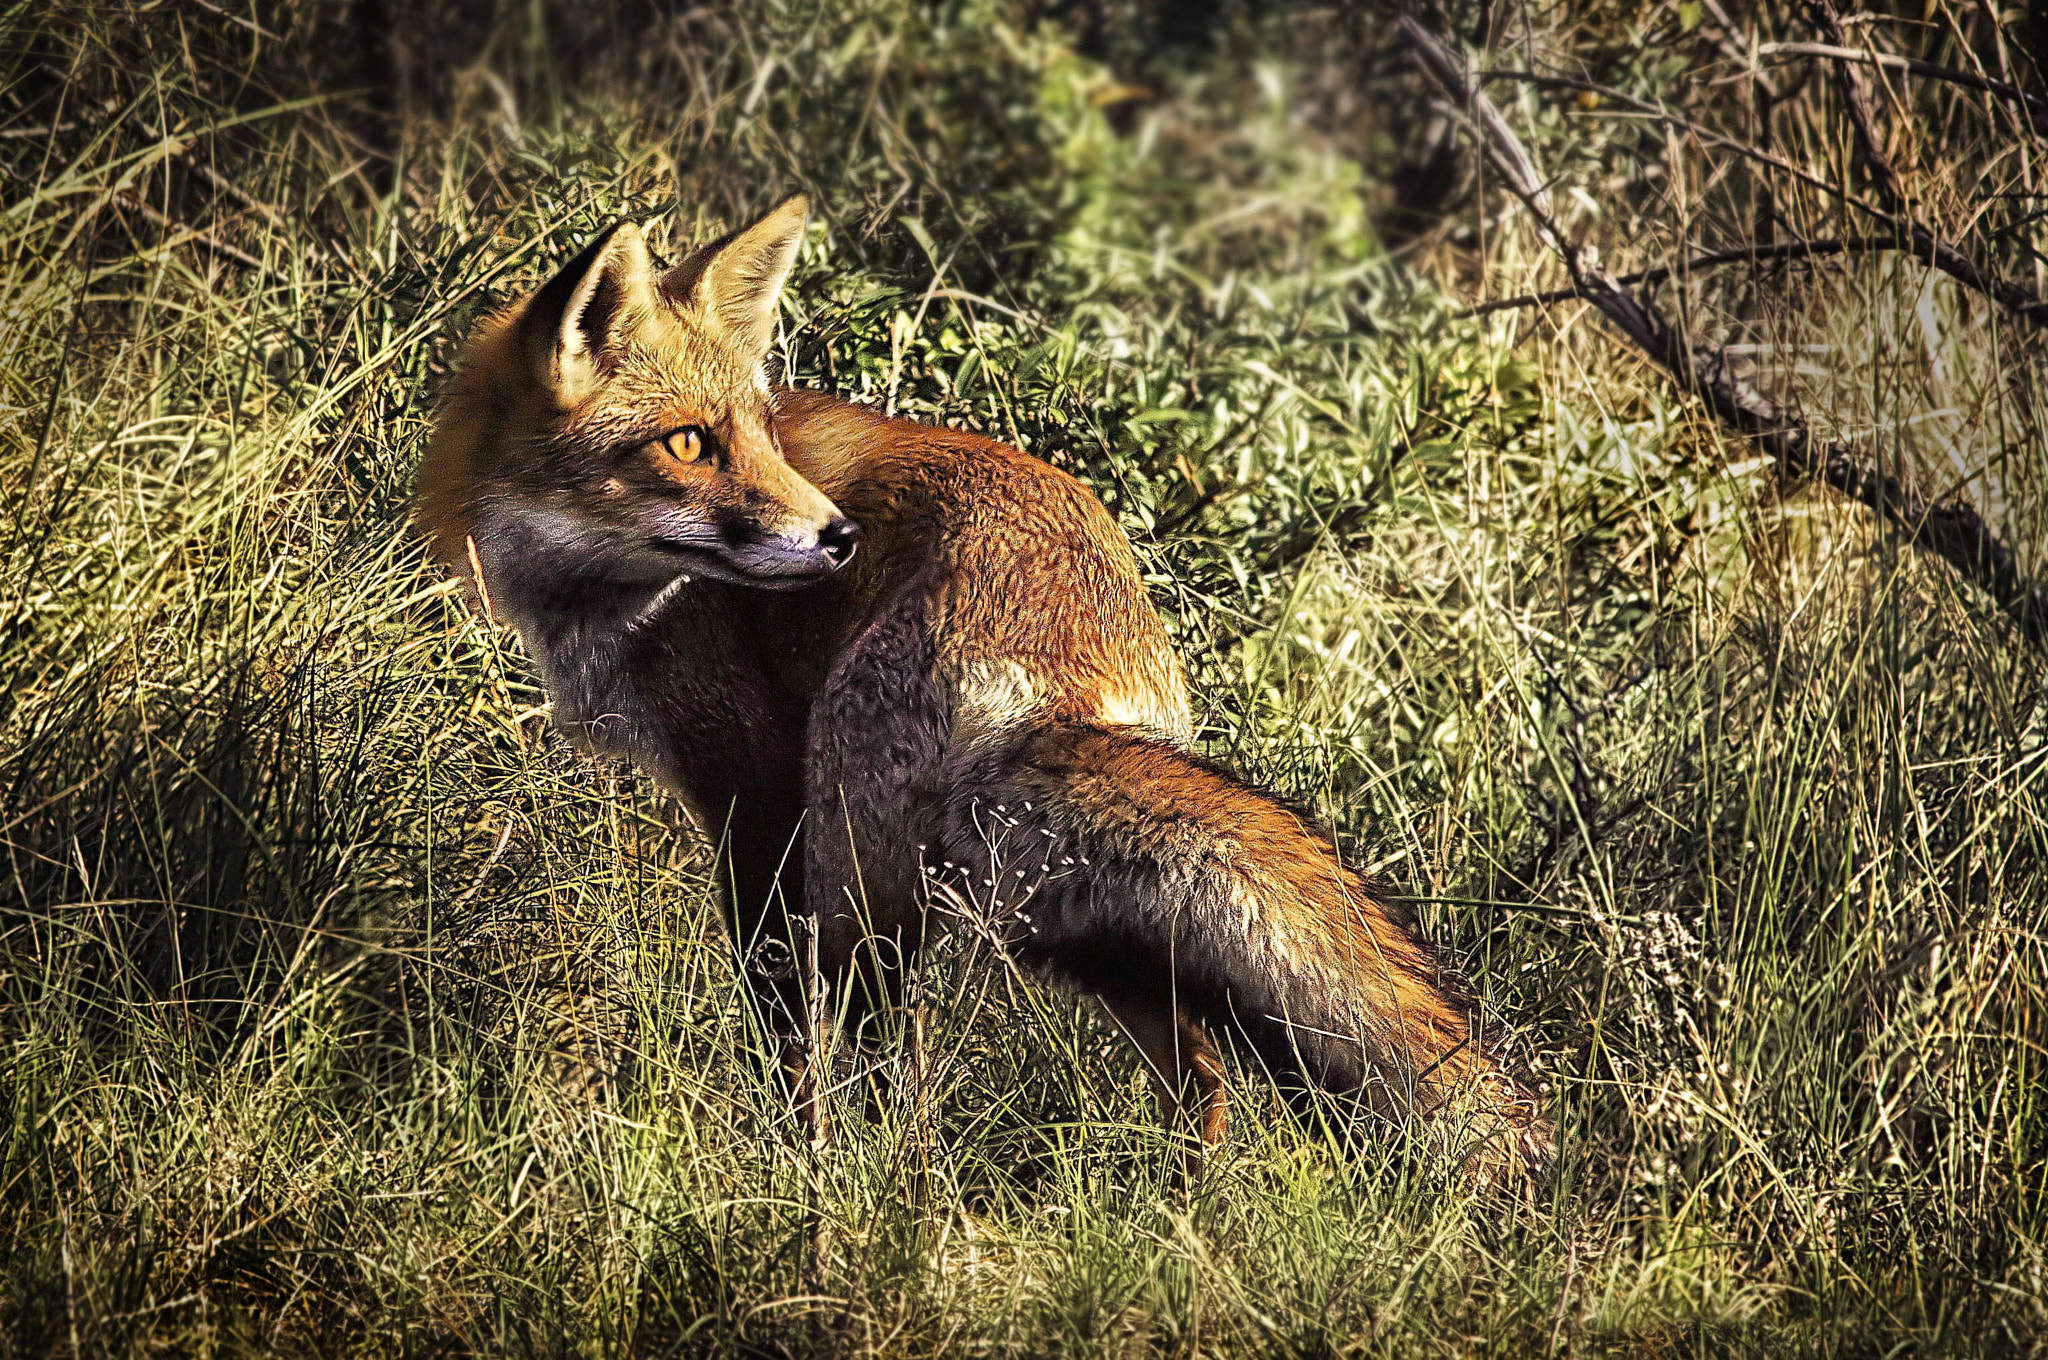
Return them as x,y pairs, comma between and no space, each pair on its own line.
735,739
760,872
877,733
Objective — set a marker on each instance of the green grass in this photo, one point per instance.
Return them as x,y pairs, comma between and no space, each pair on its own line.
344,1010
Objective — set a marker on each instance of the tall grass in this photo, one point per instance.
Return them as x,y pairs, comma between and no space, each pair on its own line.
346,1011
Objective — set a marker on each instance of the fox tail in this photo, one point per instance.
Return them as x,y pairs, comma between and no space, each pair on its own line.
1148,877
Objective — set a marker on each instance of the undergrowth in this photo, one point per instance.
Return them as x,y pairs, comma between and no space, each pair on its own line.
345,1010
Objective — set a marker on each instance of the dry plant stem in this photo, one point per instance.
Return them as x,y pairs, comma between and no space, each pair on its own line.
1913,237
1754,254
1856,98
1891,190
1950,530
177,233
2035,106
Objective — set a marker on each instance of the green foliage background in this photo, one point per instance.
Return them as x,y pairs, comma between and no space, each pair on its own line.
345,1011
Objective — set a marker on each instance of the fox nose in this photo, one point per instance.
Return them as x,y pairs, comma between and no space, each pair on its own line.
837,539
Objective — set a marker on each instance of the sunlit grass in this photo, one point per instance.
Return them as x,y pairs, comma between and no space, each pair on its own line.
346,1010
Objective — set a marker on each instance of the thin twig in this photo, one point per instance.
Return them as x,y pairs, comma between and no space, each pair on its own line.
2036,107
1750,254
1923,244
1950,530
24,133
1891,189
1609,95
1884,177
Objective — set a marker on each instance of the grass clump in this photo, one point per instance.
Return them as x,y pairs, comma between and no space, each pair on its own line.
345,1011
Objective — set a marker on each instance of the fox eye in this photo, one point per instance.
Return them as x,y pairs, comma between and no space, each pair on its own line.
690,444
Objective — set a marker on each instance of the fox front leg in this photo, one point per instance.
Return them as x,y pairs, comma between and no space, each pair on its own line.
877,736
729,739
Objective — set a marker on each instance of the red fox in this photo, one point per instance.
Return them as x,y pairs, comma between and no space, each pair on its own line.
884,656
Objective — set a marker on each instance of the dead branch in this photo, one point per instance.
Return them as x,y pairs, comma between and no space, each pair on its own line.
1752,254
1856,98
1891,190
2035,106
1914,236
1950,530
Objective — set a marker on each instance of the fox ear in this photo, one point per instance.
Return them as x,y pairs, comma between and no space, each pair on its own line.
579,319
737,281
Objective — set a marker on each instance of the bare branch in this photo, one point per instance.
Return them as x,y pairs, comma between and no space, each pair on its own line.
1501,145
2035,106
1950,530
1914,236
1883,176
1751,254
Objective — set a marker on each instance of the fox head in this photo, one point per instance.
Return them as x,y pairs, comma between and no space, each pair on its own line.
618,421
